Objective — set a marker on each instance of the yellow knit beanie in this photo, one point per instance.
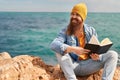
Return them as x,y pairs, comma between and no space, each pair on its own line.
81,9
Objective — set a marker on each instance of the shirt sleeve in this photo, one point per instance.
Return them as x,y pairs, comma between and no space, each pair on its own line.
58,44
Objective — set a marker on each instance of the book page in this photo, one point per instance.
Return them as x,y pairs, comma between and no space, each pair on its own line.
94,40
105,42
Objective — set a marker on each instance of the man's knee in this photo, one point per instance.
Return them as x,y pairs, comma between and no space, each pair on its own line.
113,54
62,57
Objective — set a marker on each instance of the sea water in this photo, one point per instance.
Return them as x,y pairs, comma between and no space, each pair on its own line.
30,33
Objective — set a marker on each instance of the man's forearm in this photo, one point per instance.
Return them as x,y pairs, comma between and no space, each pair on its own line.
76,50
69,49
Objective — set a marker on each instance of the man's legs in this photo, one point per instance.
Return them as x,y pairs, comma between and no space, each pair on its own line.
108,61
67,66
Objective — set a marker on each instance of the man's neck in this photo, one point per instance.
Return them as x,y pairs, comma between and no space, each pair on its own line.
81,27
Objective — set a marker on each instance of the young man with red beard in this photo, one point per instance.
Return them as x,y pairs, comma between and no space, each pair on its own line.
70,43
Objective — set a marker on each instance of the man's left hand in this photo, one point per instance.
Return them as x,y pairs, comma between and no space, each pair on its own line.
94,56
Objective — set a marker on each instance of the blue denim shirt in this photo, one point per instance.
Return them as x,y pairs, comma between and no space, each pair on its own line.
62,41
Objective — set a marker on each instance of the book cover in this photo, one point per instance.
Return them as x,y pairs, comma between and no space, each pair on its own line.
96,47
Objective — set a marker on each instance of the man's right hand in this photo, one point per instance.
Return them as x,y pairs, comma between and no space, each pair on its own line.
77,50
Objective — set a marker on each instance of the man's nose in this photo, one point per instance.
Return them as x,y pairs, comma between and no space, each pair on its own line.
74,16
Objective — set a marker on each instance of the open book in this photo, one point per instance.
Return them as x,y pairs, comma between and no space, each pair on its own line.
98,47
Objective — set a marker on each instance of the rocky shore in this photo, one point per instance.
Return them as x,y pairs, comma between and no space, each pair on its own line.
25,67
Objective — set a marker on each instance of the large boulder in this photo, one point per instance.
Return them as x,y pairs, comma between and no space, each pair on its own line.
25,67
21,68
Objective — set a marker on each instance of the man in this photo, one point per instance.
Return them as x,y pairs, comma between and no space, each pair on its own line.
70,52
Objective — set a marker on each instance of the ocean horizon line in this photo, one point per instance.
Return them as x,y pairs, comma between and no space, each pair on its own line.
50,12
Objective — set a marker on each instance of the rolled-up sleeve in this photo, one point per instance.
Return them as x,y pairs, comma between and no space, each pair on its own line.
58,44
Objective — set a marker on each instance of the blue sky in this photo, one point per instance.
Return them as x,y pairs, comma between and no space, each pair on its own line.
58,5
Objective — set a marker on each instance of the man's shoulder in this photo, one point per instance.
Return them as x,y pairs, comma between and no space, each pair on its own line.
88,27
63,29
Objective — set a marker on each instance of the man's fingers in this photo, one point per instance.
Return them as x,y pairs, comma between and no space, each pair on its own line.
86,51
94,56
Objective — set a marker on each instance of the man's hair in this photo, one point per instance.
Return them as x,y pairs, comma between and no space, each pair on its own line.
80,9
70,30
72,27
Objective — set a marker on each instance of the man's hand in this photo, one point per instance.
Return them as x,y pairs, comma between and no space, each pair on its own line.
94,56
80,50
77,50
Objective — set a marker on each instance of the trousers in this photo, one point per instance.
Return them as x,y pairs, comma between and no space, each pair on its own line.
71,68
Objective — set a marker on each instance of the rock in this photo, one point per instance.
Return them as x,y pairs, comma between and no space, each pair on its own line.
58,74
25,67
4,55
21,68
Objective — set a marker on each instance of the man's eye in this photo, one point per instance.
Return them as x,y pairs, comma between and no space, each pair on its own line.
77,15
72,14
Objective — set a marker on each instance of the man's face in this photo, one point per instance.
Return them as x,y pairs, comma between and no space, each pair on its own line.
75,20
